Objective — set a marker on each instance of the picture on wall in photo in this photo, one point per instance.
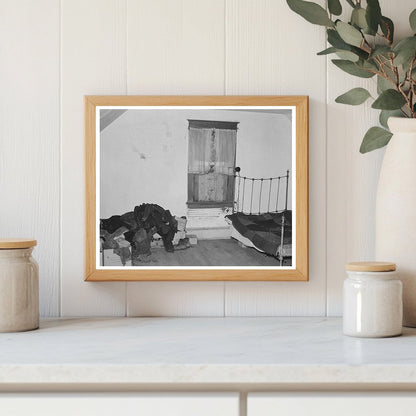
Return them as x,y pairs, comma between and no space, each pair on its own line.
195,187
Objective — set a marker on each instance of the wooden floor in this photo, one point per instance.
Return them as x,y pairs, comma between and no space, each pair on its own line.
210,253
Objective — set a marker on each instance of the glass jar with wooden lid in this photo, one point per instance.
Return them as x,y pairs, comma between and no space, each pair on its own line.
19,286
372,300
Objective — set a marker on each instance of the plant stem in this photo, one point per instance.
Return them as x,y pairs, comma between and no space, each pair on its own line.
412,87
385,75
397,84
369,46
406,97
395,71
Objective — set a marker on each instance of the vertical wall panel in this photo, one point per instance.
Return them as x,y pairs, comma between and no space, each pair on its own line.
175,47
272,51
93,62
352,177
175,299
29,135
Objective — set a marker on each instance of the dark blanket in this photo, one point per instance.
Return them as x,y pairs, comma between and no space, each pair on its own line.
138,227
264,230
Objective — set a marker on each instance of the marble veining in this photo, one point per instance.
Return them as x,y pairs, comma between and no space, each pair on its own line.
203,350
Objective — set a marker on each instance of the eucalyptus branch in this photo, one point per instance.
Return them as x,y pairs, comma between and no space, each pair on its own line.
406,97
380,64
366,40
413,89
412,86
371,70
386,37
386,60
395,71
384,73
369,46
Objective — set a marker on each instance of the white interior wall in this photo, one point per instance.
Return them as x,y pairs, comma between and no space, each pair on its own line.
144,157
54,52
264,150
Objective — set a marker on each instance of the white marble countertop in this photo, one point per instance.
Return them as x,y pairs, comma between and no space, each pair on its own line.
204,351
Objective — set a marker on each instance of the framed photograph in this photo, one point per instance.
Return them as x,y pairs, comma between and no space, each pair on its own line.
196,188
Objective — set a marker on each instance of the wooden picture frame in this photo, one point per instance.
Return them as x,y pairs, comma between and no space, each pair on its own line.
118,159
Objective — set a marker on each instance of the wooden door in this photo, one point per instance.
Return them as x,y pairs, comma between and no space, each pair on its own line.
211,163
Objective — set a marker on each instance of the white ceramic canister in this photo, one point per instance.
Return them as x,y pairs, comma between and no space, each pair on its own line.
372,300
19,286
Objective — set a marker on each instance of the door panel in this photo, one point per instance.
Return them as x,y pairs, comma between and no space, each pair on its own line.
212,187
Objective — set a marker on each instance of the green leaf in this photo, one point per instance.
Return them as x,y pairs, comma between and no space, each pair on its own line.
373,15
386,114
389,100
356,96
381,50
386,53
383,84
375,138
336,41
412,20
350,56
327,51
352,68
358,18
360,52
370,65
405,50
349,34
311,12
347,55
334,7
387,27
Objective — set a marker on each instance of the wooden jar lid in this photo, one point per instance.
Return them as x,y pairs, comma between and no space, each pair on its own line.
371,266
11,243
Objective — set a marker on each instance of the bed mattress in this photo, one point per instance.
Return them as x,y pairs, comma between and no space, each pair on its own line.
263,231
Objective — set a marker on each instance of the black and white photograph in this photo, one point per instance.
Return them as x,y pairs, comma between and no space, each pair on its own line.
195,187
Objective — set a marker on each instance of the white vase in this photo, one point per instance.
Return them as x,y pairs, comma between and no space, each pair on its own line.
396,210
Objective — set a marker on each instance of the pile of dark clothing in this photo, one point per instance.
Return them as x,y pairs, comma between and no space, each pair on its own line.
135,230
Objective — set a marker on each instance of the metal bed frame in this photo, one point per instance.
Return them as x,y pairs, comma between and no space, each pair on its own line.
260,184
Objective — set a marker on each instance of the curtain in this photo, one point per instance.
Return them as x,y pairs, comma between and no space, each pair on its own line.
226,146
199,150
211,150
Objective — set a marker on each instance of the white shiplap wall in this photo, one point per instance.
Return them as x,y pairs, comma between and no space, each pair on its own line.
93,61
54,52
30,134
